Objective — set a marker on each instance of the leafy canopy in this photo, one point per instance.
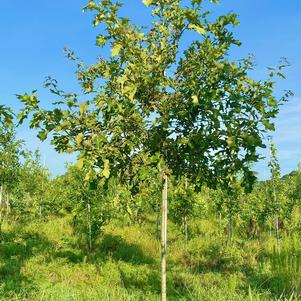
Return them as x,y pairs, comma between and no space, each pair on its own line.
151,104
6,116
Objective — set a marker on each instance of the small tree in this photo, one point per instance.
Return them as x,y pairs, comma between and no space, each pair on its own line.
10,151
192,113
89,204
30,193
183,204
275,185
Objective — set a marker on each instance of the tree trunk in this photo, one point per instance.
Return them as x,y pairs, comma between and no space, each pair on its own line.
230,230
89,226
220,224
185,221
157,221
277,235
7,203
164,235
277,219
186,232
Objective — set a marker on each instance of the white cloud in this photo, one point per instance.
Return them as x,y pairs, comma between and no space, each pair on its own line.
292,106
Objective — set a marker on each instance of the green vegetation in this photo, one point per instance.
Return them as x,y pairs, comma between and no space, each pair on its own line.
63,240
42,260
153,121
52,249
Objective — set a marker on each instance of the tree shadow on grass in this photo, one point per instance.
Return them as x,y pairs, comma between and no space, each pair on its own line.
145,280
16,247
138,271
118,249
71,256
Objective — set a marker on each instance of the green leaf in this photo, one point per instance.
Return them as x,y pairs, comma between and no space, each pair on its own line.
87,177
79,138
42,135
122,80
82,108
106,168
144,173
195,99
101,40
65,124
272,101
268,125
132,93
91,5
116,49
106,73
198,29
230,141
147,2
80,163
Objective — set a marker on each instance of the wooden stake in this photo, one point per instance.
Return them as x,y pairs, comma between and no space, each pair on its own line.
164,235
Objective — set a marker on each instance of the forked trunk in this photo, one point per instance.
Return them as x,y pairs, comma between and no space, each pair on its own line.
164,236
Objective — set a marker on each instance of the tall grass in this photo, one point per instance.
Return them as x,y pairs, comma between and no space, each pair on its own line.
43,261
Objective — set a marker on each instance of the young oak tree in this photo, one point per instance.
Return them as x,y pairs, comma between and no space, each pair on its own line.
187,111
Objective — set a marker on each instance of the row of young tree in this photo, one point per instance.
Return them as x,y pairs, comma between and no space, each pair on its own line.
28,192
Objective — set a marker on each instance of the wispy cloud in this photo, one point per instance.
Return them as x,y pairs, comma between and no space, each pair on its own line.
287,138
288,125
290,154
292,106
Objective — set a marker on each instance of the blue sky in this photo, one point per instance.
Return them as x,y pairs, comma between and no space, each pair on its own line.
33,34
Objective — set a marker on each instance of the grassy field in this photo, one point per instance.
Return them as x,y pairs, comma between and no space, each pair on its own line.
45,261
